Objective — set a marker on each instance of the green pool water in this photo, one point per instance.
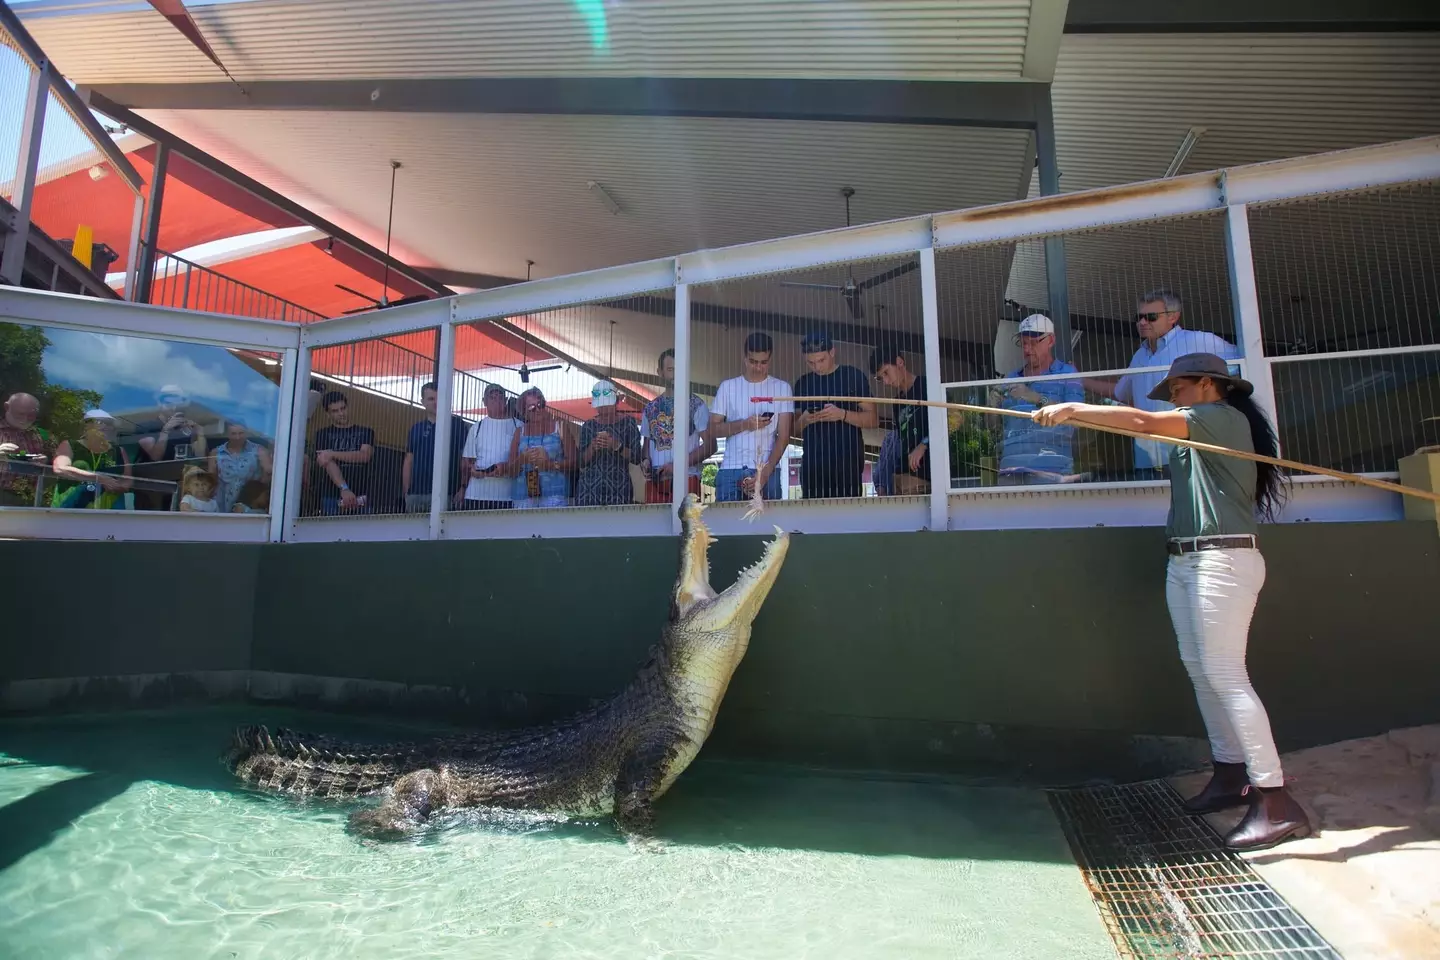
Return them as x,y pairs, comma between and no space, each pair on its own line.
122,836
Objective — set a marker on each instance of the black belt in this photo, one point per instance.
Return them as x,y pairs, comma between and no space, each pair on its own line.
1185,545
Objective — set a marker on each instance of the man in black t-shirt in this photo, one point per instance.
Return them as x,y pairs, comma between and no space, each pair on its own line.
912,423
834,460
342,455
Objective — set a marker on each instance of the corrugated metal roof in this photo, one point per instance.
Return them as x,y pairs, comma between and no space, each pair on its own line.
335,39
1123,102
484,192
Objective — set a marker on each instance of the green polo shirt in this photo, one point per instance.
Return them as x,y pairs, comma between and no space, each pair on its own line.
1212,494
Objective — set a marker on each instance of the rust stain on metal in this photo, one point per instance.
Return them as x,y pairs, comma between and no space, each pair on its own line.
1072,201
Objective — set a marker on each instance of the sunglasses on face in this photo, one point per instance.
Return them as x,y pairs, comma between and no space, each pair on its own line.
1150,317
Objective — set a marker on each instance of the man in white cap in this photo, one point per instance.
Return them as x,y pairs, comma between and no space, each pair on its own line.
609,443
94,471
1029,452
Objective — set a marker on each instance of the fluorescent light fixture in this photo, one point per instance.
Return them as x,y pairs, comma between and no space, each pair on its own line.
605,198
1192,137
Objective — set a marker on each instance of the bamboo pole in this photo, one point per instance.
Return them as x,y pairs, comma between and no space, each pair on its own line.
1193,444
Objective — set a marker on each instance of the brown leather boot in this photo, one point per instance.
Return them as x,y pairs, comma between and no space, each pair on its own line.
1226,789
1273,818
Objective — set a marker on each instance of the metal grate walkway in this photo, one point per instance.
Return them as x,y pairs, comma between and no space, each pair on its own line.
1166,886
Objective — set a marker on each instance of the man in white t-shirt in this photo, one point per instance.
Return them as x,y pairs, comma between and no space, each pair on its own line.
756,433
487,449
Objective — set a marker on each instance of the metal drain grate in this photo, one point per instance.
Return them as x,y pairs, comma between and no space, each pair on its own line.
1166,886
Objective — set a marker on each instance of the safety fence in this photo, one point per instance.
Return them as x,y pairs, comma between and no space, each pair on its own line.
49,139
591,404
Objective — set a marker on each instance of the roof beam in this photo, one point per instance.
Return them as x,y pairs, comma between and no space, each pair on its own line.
1251,16
934,103
200,158
1042,39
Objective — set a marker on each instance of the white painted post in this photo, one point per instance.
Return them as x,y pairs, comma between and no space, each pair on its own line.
444,404
132,275
12,261
935,391
295,441
284,430
681,446
1249,326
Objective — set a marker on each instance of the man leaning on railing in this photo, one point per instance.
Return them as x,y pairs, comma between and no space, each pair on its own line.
24,441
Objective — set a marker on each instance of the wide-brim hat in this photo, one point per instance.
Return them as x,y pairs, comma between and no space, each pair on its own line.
1201,365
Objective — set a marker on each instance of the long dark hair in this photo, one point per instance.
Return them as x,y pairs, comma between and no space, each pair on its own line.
1269,482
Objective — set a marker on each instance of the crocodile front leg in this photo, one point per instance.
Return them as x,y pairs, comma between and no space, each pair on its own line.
636,787
411,801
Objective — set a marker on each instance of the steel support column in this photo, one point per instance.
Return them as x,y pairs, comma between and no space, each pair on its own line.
939,421
680,445
12,262
444,404
1246,304
151,235
1055,275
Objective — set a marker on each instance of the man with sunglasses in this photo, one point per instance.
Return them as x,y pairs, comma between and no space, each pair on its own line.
1163,341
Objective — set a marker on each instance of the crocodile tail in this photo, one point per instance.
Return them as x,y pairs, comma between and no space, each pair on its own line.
286,763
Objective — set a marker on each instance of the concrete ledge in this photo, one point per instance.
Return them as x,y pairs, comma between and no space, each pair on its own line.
140,690
831,742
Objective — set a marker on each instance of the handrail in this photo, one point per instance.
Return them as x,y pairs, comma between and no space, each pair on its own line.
192,267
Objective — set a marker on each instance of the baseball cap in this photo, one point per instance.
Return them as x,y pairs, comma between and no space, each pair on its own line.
97,414
1036,323
602,394
494,388
816,341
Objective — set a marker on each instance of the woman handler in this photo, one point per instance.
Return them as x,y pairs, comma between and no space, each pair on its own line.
1214,576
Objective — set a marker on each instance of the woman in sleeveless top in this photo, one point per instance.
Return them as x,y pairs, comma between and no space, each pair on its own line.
541,454
1214,577
235,462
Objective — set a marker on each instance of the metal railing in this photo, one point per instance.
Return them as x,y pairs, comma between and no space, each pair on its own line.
187,285
1315,275
52,123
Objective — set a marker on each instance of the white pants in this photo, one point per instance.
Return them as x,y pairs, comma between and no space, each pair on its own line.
1211,595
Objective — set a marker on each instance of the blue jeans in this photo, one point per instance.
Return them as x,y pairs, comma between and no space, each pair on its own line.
727,484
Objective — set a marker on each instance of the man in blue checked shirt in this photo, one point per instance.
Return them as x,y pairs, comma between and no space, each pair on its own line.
1030,453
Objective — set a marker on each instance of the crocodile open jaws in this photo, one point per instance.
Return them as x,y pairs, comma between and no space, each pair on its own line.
613,759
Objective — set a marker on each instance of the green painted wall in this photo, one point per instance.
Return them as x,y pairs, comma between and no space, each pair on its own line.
85,608
901,650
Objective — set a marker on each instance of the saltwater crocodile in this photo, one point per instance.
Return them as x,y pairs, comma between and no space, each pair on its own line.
614,759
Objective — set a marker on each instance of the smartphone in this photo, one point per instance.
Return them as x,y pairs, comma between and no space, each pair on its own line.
767,416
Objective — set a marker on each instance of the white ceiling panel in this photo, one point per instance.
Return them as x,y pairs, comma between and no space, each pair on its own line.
483,193
338,39
1124,102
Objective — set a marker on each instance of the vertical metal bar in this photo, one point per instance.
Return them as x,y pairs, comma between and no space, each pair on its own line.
284,430
444,404
1055,274
1241,262
12,260
185,298
152,222
295,442
935,391
136,250
681,442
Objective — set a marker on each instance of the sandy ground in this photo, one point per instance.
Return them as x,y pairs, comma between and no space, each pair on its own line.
1369,878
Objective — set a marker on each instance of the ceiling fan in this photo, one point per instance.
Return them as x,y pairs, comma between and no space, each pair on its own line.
381,303
385,300
850,290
